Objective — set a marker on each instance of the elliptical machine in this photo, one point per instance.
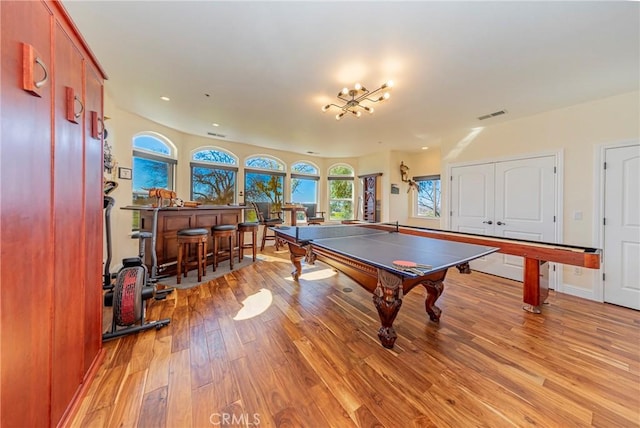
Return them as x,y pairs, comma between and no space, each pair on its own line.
128,290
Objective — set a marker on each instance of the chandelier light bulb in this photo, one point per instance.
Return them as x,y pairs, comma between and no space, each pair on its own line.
388,84
358,114
358,86
386,95
370,110
345,91
325,108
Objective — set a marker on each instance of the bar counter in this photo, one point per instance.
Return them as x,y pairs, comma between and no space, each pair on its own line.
165,222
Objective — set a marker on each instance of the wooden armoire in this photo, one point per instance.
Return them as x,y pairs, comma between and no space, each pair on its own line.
51,210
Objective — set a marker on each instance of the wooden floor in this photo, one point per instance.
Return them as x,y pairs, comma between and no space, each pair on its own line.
255,348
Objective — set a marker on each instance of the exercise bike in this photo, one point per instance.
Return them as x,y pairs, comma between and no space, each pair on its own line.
128,291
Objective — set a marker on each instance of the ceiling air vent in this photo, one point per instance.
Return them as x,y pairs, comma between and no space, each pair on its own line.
213,134
494,114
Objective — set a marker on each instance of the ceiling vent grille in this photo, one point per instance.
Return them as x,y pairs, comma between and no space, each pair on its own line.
213,134
494,114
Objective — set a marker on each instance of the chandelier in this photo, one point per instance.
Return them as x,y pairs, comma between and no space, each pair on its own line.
354,97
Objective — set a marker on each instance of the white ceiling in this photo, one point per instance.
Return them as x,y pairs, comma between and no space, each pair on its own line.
269,67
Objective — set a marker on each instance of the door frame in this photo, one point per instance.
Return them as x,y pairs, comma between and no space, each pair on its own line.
598,209
555,273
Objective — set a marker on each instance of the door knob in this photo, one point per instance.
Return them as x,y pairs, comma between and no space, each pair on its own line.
488,222
499,223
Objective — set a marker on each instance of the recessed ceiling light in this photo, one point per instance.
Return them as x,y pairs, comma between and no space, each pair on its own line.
215,124
165,98
425,148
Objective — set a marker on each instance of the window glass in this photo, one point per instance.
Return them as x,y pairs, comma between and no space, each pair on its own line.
264,181
304,168
341,192
304,186
264,162
427,197
213,177
153,165
150,169
264,187
151,144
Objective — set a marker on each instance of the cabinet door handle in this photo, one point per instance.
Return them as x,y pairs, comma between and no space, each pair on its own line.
488,222
499,223
41,83
30,57
78,114
72,99
97,125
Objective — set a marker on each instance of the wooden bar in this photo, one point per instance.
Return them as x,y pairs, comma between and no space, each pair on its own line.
172,219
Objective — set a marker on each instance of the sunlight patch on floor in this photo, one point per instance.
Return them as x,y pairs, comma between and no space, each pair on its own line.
315,275
254,305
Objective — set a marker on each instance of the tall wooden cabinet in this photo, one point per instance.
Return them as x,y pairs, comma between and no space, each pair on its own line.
50,213
370,195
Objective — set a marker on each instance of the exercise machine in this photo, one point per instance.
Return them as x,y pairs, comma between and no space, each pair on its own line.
129,290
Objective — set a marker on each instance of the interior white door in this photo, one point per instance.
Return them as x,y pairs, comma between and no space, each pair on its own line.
514,199
525,207
622,226
473,204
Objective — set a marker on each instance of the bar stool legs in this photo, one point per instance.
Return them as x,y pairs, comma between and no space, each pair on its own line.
187,237
223,231
245,228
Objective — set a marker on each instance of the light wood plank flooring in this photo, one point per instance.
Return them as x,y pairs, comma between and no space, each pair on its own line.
254,348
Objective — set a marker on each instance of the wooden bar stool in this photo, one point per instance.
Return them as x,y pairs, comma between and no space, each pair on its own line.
223,231
242,229
186,237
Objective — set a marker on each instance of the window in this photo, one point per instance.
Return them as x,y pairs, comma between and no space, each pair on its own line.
153,166
213,176
427,198
264,180
304,185
341,192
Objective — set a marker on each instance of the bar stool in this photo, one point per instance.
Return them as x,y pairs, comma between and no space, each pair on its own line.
223,231
242,229
186,237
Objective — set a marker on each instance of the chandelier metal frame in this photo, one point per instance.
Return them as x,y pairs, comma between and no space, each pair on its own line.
353,97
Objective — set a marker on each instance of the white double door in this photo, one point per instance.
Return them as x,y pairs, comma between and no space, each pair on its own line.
622,226
513,199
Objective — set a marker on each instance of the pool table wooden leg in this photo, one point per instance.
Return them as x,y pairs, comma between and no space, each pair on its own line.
434,290
387,298
296,254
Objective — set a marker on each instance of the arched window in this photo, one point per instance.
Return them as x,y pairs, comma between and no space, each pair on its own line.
304,185
154,161
341,192
213,176
264,180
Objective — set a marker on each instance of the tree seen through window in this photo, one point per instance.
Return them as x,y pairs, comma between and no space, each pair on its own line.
213,177
264,181
341,192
